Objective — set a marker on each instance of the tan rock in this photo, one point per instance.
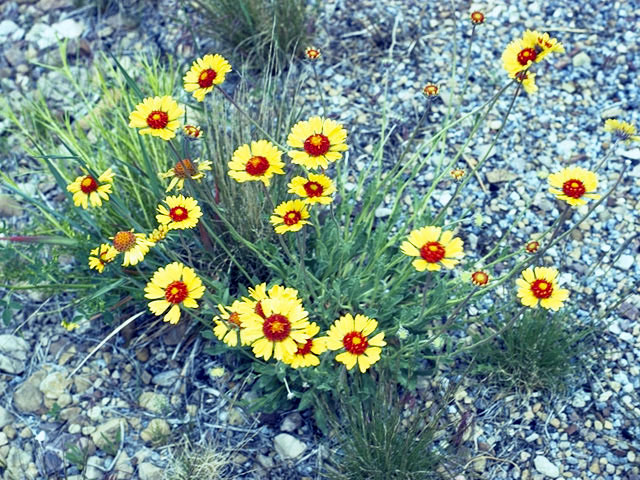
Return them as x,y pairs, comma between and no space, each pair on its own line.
108,433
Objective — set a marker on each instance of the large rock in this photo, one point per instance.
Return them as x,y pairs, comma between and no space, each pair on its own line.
157,432
154,402
54,385
148,471
288,446
107,433
13,354
5,417
545,467
27,398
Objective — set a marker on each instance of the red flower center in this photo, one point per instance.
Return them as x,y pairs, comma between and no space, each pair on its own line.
157,119
527,55
257,166
306,348
573,188
276,328
317,145
430,90
479,278
206,78
541,288
185,168
292,217
88,184
477,17
432,252
176,292
355,343
123,241
178,214
313,189
258,309
234,318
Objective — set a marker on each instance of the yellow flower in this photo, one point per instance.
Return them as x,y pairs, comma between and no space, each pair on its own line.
87,189
70,326
532,246
315,189
192,132
573,185
306,354
228,324
158,234
480,278
174,285
102,255
183,213
312,53
477,18
205,73
278,332
134,246
457,173
540,284
290,216
430,90
321,141
157,116
184,169
521,53
434,247
354,336
621,130
258,162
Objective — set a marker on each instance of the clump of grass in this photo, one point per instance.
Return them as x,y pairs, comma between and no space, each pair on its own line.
379,439
196,462
540,352
255,28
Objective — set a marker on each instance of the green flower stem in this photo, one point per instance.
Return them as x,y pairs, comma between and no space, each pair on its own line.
427,284
484,158
606,157
452,317
273,208
250,118
319,88
465,85
303,270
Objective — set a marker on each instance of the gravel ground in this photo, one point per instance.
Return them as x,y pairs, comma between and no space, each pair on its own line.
591,433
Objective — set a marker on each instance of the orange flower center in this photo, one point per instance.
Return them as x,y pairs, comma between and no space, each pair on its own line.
532,247
355,343
178,214
479,278
312,53
276,328
573,188
317,145
541,288
432,252
257,165
292,217
234,318
185,168
176,292
306,348
123,241
313,189
430,90
477,17
526,55
158,119
88,184
206,78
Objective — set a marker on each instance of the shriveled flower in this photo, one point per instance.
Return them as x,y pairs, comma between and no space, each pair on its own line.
540,285
205,74
157,116
621,130
87,189
430,90
69,326
528,81
307,353
477,18
479,278
457,173
574,185
183,212
532,246
521,53
228,324
192,132
354,335
171,287
134,246
158,234
321,141
434,248
542,43
258,162
184,169
312,53
102,255
290,216
314,189
278,332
